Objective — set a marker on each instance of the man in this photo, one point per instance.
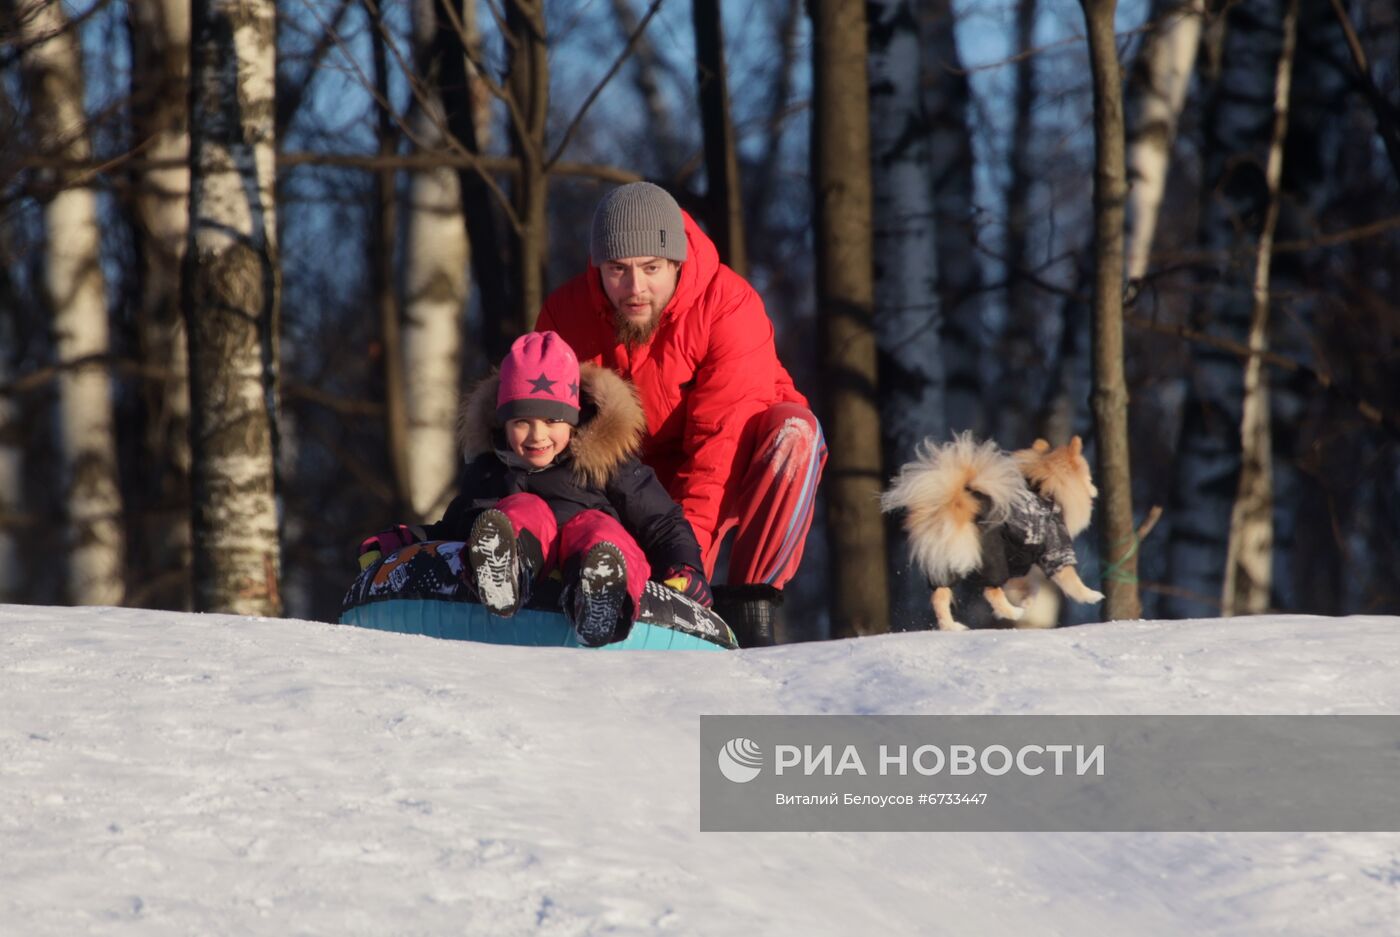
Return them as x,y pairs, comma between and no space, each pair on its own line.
727,433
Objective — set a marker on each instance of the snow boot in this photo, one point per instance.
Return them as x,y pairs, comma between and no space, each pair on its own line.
750,610
501,563
597,602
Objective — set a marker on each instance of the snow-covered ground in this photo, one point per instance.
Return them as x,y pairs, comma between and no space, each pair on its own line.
180,774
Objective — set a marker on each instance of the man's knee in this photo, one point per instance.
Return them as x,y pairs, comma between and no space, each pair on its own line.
790,441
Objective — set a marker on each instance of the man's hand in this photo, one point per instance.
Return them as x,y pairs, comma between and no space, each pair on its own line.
690,582
388,541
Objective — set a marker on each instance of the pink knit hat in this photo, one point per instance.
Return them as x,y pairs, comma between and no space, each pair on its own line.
539,379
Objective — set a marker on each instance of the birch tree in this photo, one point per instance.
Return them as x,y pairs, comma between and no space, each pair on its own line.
1110,396
1207,464
842,201
231,295
436,258
1157,93
907,319
1249,555
160,40
74,290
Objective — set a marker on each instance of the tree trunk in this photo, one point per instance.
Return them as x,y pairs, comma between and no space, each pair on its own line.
436,257
11,463
842,200
1206,468
75,294
1157,93
381,262
724,197
160,41
1249,556
452,47
907,319
946,93
1021,361
529,91
231,291
1110,396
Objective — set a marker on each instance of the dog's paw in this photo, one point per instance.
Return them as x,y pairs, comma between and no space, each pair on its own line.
1002,606
1091,596
951,626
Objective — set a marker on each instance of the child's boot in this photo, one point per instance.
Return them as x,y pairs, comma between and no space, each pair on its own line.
498,570
598,604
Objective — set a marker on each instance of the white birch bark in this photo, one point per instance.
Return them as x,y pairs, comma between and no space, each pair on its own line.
907,314
435,295
1249,556
232,286
1207,463
75,291
1157,92
160,39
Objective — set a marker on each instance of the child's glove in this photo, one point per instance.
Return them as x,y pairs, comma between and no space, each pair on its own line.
388,541
690,583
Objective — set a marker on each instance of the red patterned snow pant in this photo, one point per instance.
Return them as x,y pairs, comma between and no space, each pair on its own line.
770,496
582,531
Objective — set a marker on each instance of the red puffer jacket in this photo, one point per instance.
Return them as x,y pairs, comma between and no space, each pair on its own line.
709,367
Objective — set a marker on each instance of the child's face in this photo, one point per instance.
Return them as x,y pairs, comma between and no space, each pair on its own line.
538,441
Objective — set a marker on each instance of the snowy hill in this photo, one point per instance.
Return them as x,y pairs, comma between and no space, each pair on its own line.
164,773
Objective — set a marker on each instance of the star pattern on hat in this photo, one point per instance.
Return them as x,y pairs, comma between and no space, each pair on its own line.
573,391
542,385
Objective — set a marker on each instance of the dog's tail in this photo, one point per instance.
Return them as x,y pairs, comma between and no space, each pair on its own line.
940,490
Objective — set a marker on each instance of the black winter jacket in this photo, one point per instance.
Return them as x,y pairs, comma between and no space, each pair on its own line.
1033,534
599,471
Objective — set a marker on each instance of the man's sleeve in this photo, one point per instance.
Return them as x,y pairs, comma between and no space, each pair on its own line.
738,368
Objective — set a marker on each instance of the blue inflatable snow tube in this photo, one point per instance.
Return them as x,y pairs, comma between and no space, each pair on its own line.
419,590
466,621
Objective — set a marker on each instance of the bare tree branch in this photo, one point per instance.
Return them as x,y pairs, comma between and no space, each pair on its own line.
1387,121
593,95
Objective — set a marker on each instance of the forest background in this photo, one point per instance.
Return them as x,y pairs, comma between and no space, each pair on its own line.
961,216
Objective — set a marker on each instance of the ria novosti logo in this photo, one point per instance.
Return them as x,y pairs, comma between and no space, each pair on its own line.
740,760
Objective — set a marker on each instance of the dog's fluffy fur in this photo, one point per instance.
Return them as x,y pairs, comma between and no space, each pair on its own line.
1062,475
965,499
938,492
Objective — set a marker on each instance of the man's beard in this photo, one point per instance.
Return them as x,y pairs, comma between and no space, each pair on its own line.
632,333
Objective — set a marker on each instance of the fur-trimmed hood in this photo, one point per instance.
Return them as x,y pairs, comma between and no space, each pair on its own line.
611,424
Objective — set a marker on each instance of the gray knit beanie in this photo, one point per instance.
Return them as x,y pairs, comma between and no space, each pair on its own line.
637,220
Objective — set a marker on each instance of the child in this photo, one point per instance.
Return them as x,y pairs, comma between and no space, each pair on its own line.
553,481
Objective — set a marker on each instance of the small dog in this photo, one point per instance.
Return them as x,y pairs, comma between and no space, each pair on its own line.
979,515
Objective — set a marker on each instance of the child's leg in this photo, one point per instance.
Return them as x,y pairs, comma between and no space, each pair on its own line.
507,551
588,528
531,514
